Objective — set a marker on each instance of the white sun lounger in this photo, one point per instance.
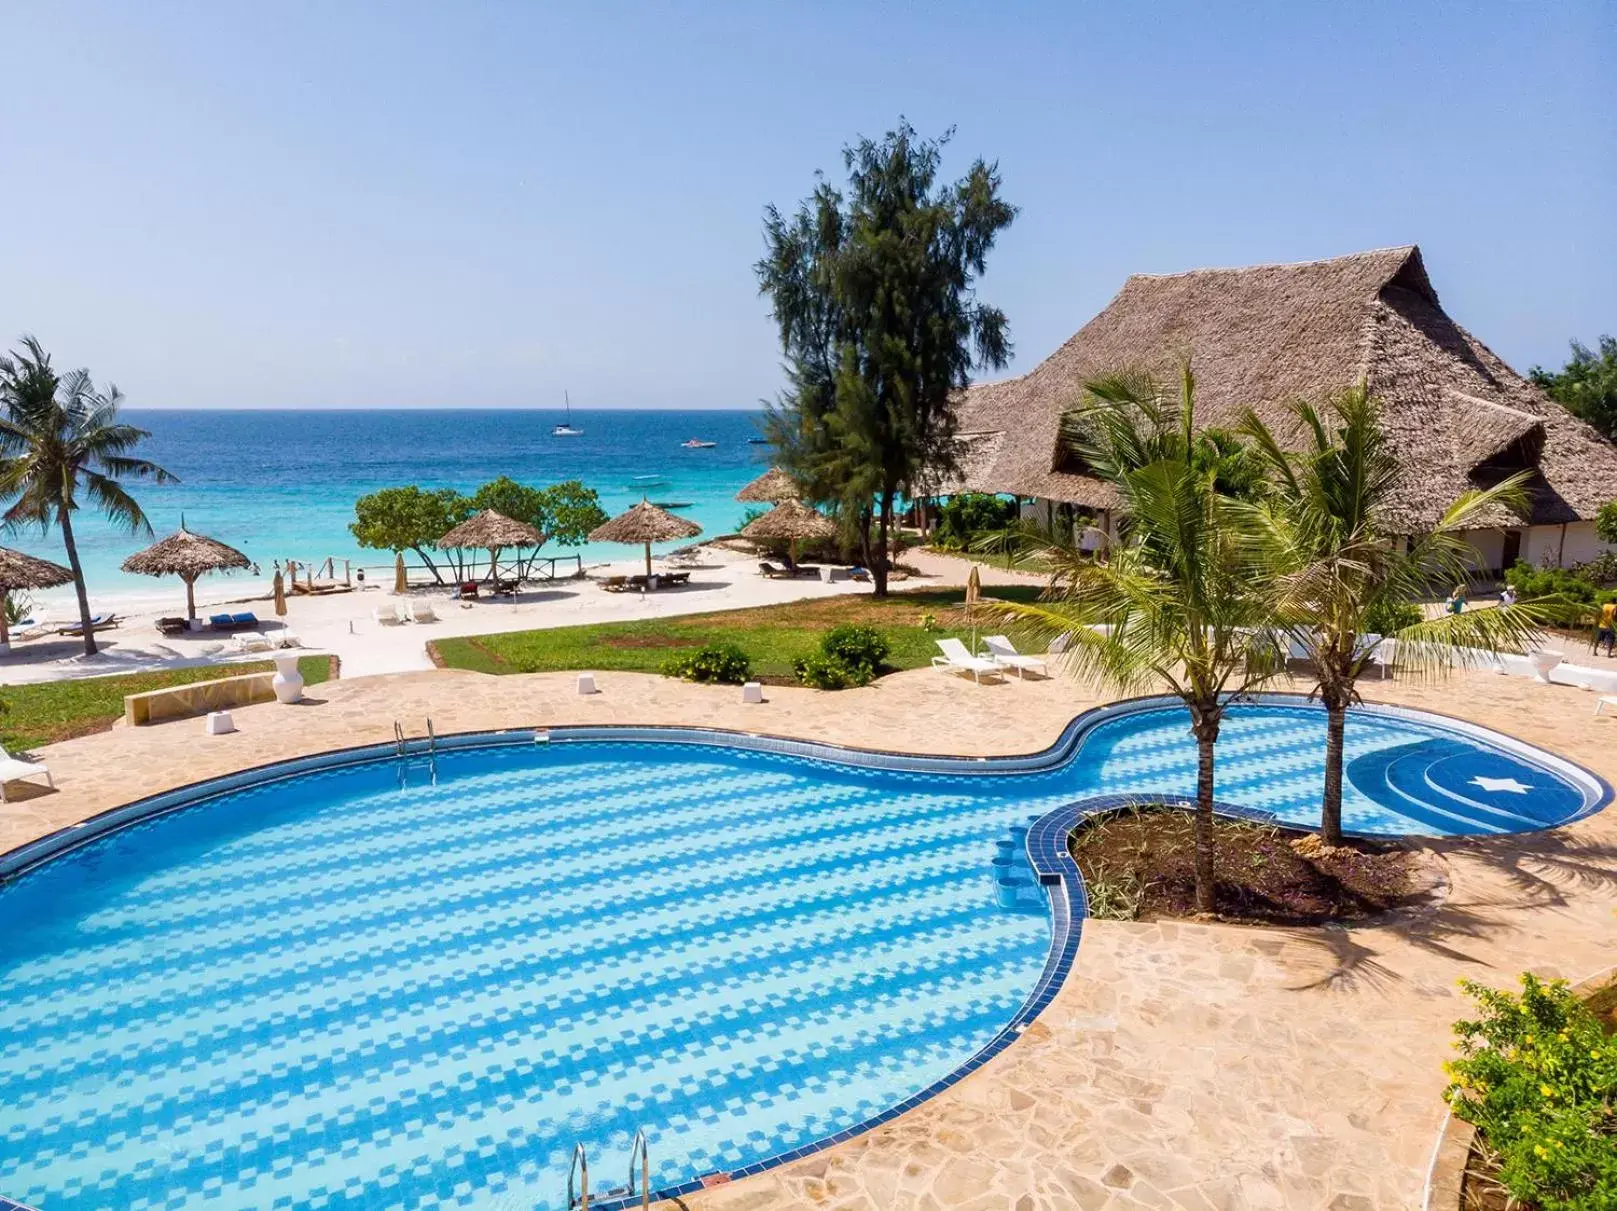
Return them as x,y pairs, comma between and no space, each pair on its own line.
388,615
285,639
1002,651
253,641
13,769
956,659
422,611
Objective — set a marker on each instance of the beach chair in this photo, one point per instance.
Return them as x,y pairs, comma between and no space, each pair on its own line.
956,659
172,628
285,639
468,590
615,584
101,622
422,611
676,578
641,581
15,769
1002,651
387,615
253,641
770,570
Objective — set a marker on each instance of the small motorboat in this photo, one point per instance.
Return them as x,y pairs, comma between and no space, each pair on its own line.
672,504
757,441
648,481
698,444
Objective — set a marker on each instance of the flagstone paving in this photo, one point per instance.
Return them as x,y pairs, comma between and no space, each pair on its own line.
1193,1066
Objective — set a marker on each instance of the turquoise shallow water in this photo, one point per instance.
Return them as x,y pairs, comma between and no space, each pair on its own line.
360,988
281,485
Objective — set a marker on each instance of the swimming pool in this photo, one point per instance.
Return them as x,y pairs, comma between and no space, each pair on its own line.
348,983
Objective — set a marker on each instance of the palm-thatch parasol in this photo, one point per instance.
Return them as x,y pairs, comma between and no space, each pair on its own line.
794,521
974,594
492,531
19,571
279,591
645,523
401,578
770,488
187,556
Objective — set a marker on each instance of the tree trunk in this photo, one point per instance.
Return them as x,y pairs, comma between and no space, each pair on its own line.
1330,816
431,567
190,598
1206,876
65,516
884,523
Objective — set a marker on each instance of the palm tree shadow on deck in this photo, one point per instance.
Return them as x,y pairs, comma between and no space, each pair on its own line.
1538,869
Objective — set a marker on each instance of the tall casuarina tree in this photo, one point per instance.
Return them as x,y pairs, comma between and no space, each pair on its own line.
874,295
62,444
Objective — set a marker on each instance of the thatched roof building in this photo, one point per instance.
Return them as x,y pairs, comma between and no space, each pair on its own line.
1265,335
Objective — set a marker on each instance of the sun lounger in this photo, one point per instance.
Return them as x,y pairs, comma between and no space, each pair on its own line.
14,769
253,641
956,659
468,590
284,639
641,581
615,584
422,611
1002,651
770,570
1602,703
674,578
101,622
172,628
387,615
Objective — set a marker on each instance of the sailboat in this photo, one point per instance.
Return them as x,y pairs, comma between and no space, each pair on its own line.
565,429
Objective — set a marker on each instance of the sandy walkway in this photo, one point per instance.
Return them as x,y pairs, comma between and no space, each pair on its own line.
345,623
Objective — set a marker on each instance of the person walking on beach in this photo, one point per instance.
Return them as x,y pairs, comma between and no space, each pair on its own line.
1606,633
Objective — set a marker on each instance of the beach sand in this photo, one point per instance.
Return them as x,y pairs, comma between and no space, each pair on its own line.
343,623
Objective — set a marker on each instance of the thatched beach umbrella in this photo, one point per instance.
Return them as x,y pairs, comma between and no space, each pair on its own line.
187,556
278,589
401,578
491,531
19,571
793,521
645,523
770,488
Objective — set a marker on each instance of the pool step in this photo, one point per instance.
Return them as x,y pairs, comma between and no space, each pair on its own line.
578,1179
1013,877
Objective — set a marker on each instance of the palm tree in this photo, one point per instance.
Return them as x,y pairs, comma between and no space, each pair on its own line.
1323,517
60,437
1182,599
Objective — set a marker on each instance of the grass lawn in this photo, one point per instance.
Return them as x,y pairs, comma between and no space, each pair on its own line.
772,636
58,710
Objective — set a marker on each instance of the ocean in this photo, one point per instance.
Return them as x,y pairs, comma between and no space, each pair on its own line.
281,485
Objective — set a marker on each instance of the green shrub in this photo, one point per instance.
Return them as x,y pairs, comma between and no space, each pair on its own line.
723,663
856,646
1538,1077
1601,570
1606,522
1566,596
1390,617
822,672
966,516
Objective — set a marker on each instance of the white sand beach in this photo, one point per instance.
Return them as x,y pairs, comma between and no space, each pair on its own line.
344,623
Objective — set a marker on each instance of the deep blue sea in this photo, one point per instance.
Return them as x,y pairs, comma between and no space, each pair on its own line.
282,485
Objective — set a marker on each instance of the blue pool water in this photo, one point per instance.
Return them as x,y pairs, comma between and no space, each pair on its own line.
333,990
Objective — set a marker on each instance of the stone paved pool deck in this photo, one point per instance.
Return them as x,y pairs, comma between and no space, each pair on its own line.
1192,1066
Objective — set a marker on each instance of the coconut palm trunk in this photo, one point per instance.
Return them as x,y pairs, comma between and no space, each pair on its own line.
1330,816
65,518
1206,877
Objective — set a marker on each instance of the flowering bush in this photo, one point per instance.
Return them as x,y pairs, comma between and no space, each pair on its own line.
1538,1078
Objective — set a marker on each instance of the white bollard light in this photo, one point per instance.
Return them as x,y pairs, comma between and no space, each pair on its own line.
752,692
586,683
220,723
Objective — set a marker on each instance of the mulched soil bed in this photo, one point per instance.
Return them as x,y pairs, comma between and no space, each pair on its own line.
1140,865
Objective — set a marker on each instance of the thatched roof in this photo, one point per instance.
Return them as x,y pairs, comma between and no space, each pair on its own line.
791,520
1266,335
19,571
772,487
974,454
645,523
490,529
186,554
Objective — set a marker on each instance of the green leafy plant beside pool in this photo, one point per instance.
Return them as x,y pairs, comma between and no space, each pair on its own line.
1537,1076
722,663
849,655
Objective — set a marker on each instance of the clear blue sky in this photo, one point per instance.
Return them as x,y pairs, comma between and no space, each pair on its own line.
413,204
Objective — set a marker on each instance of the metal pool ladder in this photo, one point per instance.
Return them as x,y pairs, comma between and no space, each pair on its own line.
578,1177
